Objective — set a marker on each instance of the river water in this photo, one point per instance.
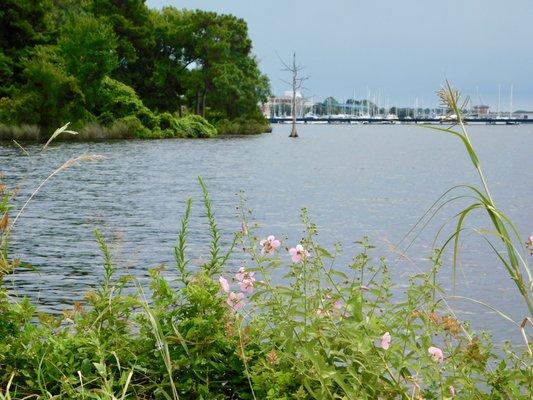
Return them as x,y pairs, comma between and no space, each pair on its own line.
355,180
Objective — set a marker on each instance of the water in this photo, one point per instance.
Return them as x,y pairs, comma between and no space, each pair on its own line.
355,181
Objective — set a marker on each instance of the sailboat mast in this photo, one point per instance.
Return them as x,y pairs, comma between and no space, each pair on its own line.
499,94
353,103
511,103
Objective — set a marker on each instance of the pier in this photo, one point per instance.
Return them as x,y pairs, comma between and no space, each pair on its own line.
385,121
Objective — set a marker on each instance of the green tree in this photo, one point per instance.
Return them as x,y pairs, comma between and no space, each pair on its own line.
238,88
203,59
131,22
24,24
219,49
50,97
88,49
157,60
165,84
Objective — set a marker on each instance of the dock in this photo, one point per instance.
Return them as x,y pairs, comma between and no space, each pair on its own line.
385,121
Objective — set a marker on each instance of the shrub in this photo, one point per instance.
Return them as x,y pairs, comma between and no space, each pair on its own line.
195,126
242,126
130,126
167,121
148,118
117,100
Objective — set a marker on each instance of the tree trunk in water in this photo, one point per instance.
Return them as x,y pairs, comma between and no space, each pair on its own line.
294,134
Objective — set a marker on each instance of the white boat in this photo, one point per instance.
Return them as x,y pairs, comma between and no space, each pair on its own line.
392,118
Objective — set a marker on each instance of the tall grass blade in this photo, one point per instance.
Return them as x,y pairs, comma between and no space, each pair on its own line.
58,132
162,346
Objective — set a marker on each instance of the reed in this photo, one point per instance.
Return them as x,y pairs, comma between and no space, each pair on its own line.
22,133
514,258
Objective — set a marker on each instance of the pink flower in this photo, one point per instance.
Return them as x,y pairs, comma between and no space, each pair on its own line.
244,229
235,301
269,245
337,307
452,391
244,275
246,280
385,341
224,285
247,286
436,354
298,253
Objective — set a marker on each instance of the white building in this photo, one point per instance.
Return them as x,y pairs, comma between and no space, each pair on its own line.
520,114
281,106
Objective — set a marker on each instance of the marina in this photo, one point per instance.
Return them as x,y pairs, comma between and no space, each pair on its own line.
380,120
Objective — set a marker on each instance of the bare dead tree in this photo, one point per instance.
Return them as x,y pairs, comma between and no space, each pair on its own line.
296,84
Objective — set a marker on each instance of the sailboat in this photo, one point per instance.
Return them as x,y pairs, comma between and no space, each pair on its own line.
510,120
500,119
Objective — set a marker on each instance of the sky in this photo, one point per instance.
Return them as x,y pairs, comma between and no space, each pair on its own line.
402,49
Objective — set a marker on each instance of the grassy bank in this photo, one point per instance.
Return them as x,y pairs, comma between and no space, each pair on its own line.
163,126
166,126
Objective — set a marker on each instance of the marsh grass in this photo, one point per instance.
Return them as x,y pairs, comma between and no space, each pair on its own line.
22,133
92,132
163,127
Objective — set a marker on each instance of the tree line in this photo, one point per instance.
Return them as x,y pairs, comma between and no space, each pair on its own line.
105,61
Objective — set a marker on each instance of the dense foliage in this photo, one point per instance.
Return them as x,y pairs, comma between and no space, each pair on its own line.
98,61
215,332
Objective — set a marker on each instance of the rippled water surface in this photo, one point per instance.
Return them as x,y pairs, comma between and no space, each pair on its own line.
355,181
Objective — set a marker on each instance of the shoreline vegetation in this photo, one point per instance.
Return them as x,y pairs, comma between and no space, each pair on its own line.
120,70
227,329
191,126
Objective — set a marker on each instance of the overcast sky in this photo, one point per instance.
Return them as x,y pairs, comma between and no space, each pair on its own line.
404,49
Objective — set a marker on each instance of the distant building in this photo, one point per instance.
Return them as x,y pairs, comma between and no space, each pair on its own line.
520,114
481,110
280,106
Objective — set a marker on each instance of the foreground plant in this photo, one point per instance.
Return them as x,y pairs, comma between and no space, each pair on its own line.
514,257
223,331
